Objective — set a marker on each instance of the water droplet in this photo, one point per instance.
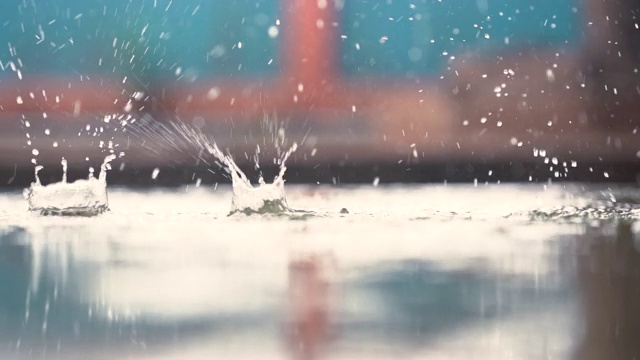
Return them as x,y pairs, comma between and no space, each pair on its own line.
64,170
154,174
273,31
37,170
105,166
213,93
550,75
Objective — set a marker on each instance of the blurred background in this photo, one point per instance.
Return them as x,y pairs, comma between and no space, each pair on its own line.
373,91
518,90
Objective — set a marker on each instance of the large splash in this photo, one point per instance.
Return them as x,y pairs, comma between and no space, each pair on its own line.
84,197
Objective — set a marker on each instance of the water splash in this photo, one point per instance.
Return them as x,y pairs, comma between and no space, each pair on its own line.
261,199
264,198
85,197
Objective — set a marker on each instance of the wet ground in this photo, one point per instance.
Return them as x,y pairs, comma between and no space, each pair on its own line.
422,272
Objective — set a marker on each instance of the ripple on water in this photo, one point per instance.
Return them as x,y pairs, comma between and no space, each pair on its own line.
561,213
596,211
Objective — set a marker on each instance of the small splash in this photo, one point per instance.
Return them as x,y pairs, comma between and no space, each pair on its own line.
86,197
263,198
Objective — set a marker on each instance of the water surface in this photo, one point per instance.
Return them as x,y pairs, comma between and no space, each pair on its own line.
415,272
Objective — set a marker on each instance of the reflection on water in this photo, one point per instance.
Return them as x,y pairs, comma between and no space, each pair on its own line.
458,289
309,305
68,292
609,283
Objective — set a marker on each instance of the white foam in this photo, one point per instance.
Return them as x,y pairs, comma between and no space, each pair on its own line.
257,199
